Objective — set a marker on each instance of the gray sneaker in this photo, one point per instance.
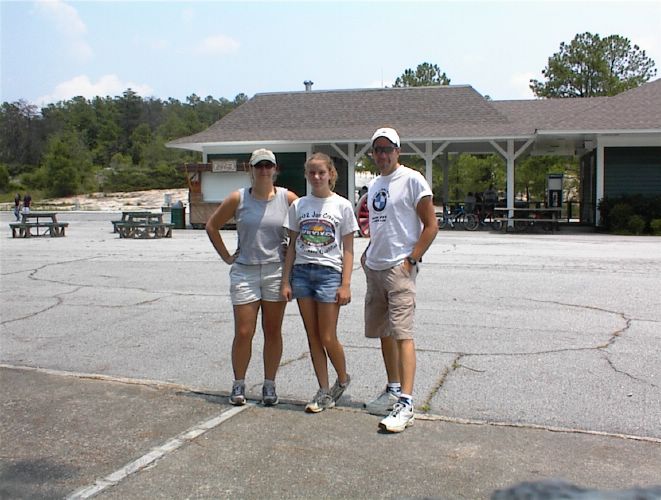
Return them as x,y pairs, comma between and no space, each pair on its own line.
338,389
383,404
321,401
238,396
269,397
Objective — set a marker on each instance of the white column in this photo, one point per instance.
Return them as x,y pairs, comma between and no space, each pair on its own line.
429,160
599,181
446,177
510,180
351,172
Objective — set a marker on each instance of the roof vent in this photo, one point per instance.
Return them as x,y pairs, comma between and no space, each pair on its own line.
308,85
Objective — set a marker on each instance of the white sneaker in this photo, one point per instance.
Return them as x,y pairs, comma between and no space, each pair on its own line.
399,419
383,404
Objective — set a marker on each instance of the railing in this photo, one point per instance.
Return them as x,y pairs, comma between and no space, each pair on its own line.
570,210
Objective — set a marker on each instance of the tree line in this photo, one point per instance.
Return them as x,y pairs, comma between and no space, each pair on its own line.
100,144
118,143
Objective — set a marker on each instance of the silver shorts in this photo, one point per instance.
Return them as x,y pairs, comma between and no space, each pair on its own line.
250,283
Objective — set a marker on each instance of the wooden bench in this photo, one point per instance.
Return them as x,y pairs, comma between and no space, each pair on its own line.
24,229
144,230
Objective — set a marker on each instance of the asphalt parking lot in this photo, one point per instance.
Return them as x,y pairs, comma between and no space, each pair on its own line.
537,359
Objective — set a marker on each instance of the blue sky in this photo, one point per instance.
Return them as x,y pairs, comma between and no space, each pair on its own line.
54,50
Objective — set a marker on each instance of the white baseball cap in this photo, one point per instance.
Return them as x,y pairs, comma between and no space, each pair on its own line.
262,155
388,133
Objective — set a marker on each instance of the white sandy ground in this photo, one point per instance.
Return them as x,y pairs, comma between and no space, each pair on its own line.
112,202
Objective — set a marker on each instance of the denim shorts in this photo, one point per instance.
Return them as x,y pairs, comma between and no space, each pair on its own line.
317,282
250,283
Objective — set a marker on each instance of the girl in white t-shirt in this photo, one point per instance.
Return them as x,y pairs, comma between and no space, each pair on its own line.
317,272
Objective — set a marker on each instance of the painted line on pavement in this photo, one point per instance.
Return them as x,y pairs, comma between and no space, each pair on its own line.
155,454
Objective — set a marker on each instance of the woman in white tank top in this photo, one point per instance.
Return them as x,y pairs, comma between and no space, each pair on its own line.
256,270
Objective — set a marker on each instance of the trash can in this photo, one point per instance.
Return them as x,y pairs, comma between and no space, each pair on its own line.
178,215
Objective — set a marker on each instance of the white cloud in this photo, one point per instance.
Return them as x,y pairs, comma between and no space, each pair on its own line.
68,23
188,17
378,84
151,43
107,85
217,45
651,44
158,44
520,85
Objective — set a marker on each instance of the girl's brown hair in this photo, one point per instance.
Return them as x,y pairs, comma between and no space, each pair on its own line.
328,162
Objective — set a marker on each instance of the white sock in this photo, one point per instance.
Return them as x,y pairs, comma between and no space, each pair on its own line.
406,398
395,388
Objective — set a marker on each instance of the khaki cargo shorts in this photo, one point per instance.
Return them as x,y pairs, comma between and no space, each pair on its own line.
390,302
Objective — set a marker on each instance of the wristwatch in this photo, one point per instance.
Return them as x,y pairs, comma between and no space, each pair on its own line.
411,261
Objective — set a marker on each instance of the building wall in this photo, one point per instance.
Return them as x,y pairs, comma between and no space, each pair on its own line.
292,172
217,185
629,171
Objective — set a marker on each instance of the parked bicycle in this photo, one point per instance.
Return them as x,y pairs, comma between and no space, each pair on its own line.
362,216
489,219
457,218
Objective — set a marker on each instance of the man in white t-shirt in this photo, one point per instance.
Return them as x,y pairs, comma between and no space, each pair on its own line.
402,223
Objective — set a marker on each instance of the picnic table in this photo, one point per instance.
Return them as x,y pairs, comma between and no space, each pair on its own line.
127,216
528,218
35,221
142,225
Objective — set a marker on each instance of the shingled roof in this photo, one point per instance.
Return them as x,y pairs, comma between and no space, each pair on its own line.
635,109
350,116
422,113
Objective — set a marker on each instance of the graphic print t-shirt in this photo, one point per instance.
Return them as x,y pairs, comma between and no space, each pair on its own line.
394,223
321,223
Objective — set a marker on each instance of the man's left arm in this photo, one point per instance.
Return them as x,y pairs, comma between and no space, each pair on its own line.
427,214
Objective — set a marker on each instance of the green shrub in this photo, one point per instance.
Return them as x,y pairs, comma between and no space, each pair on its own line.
649,207
655,227
636,224
619,216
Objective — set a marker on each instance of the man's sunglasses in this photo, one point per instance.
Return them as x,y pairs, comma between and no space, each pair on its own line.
383,149
264,164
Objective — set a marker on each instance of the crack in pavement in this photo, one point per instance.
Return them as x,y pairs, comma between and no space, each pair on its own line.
58,301
33,275
456,362
441,381
612,339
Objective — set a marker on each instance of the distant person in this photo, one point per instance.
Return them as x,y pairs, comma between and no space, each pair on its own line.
490,198
17,206
27,202
317,273
259,212
469,203
479,206
403,225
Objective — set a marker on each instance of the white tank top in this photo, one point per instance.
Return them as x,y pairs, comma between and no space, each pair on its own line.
259,226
